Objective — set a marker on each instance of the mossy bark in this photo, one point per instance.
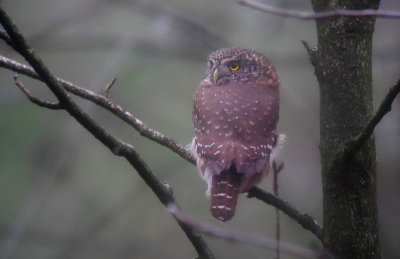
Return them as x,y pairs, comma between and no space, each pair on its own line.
342,62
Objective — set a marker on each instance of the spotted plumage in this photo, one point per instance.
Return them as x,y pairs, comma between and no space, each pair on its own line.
235,115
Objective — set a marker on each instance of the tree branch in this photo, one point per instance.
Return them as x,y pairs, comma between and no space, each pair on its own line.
275,171
352,147
235,236
115,145
304,15
142,128
106,103
4,36
35,100
305,220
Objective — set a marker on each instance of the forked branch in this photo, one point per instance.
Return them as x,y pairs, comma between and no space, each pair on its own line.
106,103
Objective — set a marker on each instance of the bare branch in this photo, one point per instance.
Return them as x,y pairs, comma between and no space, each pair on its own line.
115,145
35,100
142,128
106,103
236,236
108,87
304,15
276,170
305,220
354,146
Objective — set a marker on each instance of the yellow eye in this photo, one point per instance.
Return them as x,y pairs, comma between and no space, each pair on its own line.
234,66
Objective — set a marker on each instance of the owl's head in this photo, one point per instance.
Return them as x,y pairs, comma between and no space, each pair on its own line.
237,64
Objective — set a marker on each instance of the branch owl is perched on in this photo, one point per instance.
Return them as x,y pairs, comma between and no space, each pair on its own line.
236,109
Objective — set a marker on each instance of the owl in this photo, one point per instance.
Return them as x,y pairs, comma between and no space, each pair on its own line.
235,114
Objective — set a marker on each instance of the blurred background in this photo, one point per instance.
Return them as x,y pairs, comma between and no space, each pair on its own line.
64,195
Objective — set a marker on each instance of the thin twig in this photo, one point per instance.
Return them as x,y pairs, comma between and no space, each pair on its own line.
35,100
236,236
312,52
115,145
276,170
305,15
108,87
142,128
354,146
305,220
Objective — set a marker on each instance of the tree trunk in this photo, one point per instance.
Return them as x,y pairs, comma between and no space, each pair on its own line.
342,62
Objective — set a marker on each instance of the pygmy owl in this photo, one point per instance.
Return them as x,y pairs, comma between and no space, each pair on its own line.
235,115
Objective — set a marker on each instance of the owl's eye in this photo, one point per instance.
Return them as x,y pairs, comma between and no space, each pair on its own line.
234,66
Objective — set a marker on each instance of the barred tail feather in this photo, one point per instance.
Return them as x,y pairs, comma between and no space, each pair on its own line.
224,194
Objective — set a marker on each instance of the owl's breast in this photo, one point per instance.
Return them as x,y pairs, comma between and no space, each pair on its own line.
235,111
237,118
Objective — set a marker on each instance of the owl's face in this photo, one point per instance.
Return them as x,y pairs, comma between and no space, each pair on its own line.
235,64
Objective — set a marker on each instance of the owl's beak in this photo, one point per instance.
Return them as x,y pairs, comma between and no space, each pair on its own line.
220,72
215,76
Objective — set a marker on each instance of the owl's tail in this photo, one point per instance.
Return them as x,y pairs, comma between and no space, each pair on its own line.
224,194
